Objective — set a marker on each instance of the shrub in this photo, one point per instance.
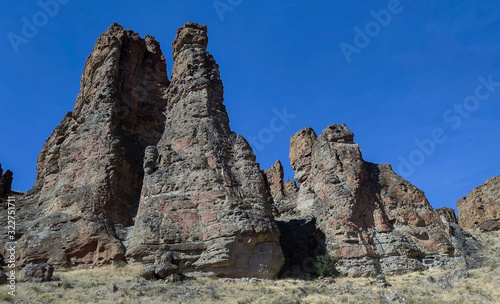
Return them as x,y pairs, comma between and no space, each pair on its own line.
7,298
325,266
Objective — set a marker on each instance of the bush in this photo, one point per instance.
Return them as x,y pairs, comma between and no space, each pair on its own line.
325,266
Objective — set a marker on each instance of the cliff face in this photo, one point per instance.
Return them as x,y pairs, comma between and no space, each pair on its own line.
89,173
371,217
145,168
140,152
480,205
205,197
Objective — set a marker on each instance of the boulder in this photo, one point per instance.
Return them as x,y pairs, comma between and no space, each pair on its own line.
490,225
37,273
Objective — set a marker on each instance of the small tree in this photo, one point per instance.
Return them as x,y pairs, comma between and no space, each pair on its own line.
325,266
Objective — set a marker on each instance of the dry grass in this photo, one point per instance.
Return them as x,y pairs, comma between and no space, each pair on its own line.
93,286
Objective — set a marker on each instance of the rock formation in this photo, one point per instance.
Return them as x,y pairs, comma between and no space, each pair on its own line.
480,205
37,273
148,170
274,178
372,218
283,193
144,166
5,182
90,170
206,198
461,239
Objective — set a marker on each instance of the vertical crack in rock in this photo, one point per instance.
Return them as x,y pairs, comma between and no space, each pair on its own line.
207,199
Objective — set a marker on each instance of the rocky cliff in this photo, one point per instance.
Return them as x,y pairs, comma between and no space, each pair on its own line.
146,169
89,174
480,205
373,219
144,166
205,197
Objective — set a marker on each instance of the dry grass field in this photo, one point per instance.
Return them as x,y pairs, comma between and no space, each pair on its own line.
440,285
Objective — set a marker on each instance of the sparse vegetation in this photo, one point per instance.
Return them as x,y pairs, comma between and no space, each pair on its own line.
93,286
325,266
7,298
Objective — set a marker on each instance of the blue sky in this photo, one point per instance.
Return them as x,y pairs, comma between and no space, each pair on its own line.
418,86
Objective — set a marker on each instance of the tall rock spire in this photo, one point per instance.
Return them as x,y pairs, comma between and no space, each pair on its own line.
206,198
90,173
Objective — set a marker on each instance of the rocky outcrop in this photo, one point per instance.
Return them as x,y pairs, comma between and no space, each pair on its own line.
463,241
37,273
149,170
206,198
490,225
5,182
283,193
274,178
90,170
373,219
480,205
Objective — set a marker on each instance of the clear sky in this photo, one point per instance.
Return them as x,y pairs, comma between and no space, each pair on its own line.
416,81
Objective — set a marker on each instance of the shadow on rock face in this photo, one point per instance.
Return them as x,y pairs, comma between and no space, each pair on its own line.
302,242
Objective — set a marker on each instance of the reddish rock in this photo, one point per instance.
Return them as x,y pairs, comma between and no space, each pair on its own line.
283,194
150,170
481,204
274,178
371,217
207,199
90,170
290,187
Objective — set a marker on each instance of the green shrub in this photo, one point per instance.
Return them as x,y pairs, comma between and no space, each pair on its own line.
7,298
325,266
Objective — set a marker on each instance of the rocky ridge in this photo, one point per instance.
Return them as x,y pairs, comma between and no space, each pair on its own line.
146,169
373,219
89,174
